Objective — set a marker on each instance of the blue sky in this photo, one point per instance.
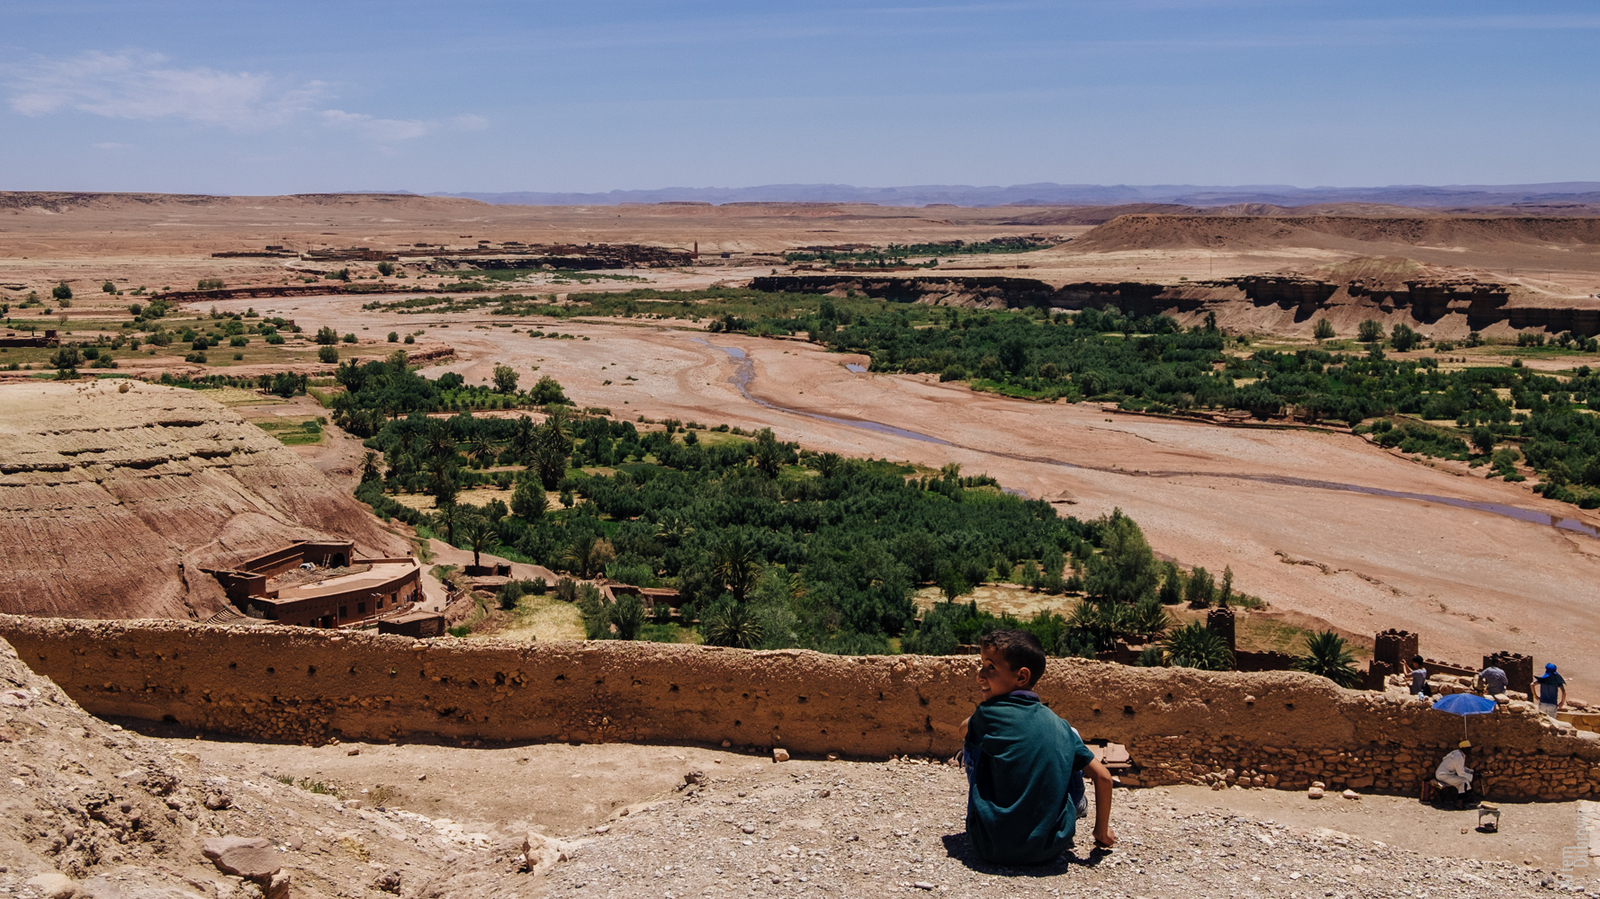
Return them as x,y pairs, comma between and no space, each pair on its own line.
495,95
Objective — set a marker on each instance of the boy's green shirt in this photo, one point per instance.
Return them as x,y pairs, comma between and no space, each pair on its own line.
1018,812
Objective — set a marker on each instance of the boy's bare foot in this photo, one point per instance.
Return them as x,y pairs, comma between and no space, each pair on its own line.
1105,839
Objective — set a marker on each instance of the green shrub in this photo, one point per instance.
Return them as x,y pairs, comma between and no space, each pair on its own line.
1327,656
1196,646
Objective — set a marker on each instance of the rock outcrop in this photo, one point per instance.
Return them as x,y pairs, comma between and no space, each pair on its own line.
114,494
1444,306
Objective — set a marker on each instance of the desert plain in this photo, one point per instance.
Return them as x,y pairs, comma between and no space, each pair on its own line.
1328,528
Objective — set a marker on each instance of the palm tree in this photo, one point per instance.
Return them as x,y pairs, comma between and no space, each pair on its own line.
1101,624
731,624
443,474
671,527
1328,656
369,468
551,448
482,448
826,464
589,553
768,454
481,535
627,615
1147,619
449,514
438,443
1196,646
736,564
523,438
528,500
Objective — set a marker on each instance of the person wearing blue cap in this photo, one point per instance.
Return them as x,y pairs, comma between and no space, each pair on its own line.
1552,690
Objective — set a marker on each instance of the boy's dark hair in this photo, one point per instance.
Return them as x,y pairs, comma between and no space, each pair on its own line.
1020,649
1416,660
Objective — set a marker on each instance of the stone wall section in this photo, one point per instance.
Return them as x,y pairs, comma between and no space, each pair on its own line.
1281,729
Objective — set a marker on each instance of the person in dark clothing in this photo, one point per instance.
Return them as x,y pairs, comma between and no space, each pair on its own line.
1022,760
1419,677
1552,690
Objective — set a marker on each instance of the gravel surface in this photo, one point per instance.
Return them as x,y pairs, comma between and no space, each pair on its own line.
819,829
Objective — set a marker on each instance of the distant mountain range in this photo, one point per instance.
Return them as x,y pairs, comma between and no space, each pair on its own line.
1048,194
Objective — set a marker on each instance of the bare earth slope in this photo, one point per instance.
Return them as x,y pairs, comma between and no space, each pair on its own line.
117,816
111,501
1134,232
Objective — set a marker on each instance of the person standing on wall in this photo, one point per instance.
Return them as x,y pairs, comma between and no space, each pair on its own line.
1493,682
1419,678
1551,688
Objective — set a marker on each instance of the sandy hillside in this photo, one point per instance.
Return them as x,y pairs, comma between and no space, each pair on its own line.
111,499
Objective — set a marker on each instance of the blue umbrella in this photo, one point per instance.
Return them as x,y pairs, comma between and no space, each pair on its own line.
1465,704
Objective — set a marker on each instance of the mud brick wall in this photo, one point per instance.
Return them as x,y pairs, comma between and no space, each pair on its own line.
1180,725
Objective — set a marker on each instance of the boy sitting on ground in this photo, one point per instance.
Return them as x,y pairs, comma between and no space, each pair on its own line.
1022,761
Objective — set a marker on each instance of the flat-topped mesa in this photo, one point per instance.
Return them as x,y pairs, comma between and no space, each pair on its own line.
113,494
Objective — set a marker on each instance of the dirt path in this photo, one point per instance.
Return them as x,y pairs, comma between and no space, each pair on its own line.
1468,580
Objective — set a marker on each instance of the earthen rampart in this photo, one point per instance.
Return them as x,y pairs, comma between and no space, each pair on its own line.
1282,729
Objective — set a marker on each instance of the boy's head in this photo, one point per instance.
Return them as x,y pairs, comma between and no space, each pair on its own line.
1417,661
1011,660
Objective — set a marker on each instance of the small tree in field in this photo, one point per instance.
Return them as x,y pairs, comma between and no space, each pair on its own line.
61,291
1483,439
1404,338
505,379
1324,330
66,359
1369,331
327,354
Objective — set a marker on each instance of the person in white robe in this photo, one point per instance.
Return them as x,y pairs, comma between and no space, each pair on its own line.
1454,773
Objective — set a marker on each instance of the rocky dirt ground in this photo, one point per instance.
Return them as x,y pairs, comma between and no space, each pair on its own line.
630,822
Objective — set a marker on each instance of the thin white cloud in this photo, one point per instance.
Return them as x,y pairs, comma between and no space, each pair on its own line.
135,84
139,85
376,128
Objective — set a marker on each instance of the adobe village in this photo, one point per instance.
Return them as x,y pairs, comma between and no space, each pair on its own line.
361,545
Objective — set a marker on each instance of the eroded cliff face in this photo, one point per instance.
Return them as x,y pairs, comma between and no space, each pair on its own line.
1444,306
113,494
